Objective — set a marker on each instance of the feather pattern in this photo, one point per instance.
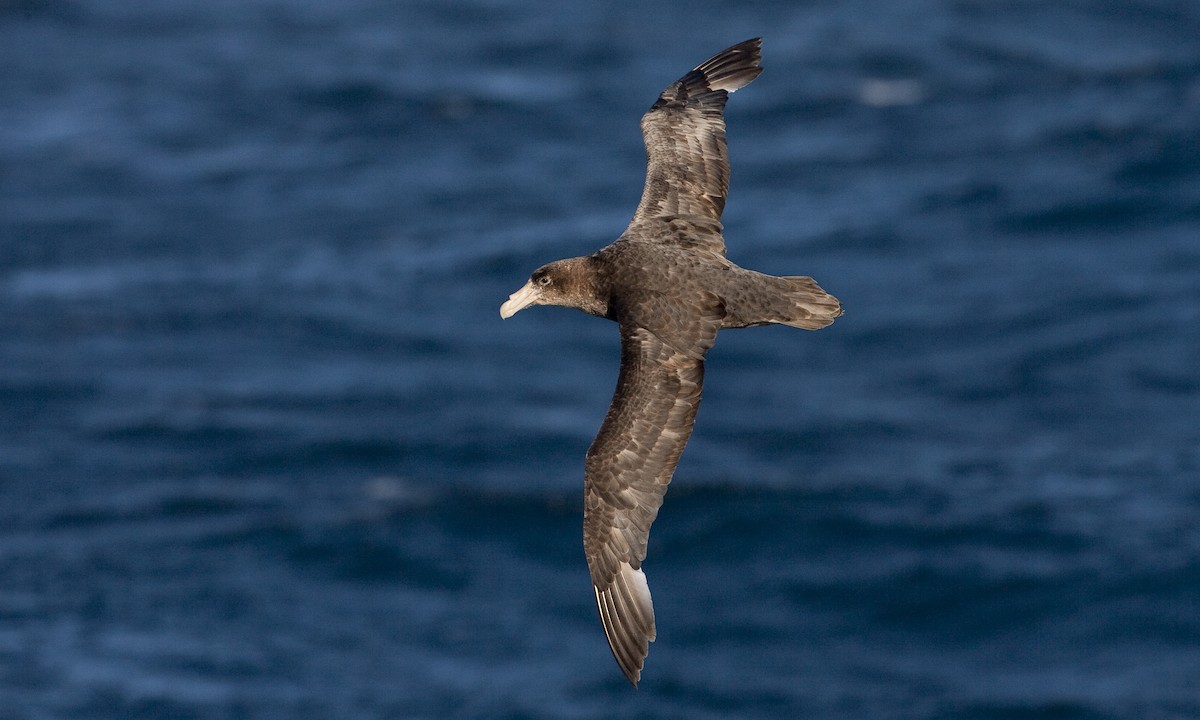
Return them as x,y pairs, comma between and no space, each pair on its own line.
631,462
687,158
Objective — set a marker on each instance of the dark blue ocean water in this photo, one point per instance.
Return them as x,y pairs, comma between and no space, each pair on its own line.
268,451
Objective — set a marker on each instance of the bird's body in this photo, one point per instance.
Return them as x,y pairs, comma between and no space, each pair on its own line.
670,288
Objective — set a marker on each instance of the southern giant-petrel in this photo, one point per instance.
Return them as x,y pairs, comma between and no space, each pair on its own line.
668,285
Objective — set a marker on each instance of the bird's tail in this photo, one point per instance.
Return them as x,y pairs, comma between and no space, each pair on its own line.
752,298
812,308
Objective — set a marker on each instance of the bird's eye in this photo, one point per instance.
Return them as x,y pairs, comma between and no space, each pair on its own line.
544,280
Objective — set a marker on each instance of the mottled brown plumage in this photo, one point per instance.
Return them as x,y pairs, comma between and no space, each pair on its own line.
668,285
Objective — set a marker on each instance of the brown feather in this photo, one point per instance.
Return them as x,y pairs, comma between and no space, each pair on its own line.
687,159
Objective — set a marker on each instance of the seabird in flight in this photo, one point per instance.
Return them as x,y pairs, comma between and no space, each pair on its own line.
668,285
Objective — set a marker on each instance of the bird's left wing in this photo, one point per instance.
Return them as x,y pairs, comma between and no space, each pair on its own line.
628,468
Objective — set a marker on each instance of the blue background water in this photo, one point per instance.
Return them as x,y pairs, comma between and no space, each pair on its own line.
268,451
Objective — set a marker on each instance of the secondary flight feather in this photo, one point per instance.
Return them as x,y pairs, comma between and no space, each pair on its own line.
668,285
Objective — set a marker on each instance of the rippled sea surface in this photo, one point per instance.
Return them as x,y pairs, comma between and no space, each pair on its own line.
268,451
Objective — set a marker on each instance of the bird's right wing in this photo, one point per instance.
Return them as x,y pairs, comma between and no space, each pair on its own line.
687,160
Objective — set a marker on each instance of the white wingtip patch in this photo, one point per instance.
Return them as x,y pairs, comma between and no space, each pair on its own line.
627,613
636,580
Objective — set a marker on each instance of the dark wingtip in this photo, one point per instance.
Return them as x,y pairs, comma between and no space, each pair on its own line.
633,675
733,67
710,82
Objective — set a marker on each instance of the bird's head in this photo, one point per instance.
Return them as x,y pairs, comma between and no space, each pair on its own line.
569,282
